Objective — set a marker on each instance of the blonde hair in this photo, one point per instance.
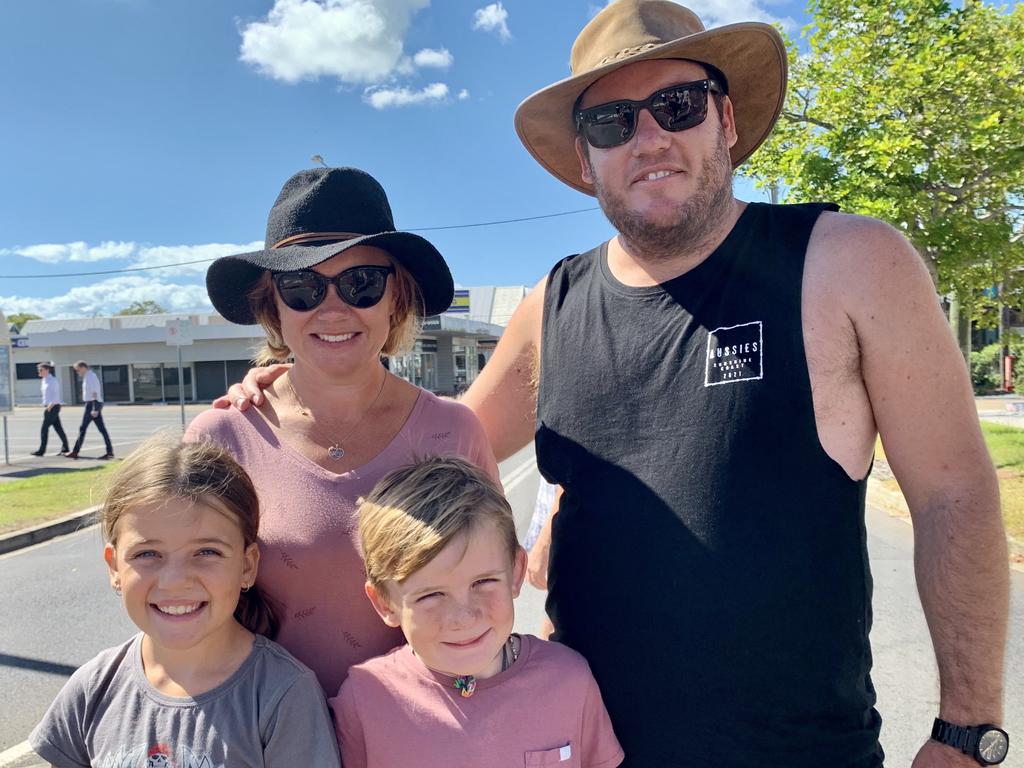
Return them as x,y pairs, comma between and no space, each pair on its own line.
414,512
164,468
405,316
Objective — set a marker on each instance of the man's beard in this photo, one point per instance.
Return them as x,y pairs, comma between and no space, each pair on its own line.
695,221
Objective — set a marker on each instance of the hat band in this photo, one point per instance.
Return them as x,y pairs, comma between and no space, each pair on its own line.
309,237
625,53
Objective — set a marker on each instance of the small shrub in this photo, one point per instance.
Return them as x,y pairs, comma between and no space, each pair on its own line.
985,373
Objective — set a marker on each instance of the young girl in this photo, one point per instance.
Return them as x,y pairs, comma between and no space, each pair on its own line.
443,563
197,688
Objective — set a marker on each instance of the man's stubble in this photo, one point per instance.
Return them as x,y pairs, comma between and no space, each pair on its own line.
696,222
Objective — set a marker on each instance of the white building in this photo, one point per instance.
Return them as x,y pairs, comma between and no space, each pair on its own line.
135,362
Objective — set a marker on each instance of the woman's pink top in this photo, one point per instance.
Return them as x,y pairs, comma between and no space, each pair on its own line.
310,563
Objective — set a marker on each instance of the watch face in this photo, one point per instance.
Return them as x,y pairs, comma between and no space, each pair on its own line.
992,746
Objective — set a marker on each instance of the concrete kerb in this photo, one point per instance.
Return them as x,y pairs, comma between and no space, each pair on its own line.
46,531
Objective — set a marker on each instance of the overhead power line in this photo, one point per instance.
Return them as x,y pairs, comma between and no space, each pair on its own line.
202,261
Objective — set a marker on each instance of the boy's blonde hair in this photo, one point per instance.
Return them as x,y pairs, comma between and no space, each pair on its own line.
414,512
163,468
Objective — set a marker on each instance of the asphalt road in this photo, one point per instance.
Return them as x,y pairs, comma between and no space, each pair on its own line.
126,424
57,612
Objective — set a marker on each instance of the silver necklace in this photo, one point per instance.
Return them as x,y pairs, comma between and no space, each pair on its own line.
334,451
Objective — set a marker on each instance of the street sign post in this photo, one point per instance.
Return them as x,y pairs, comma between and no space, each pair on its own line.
179,334
6,382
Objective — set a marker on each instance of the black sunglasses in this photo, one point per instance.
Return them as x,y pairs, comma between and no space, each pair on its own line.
360,287
675,109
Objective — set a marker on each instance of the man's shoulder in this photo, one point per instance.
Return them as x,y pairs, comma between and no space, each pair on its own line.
857,245
856,262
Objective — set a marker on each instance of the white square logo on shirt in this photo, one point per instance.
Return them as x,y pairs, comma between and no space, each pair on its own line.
735,353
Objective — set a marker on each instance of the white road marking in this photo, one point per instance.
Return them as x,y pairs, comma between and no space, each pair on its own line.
14,754
517,475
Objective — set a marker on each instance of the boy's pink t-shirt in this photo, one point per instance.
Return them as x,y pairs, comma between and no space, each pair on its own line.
310,562
545,709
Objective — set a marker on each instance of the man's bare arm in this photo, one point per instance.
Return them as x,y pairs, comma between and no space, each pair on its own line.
504,395
923,405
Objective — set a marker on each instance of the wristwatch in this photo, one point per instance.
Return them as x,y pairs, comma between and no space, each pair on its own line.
985,743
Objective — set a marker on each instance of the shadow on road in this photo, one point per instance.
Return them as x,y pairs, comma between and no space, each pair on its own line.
36,665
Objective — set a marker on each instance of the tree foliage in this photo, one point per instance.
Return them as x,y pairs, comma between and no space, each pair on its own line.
912,111
18,319
143,308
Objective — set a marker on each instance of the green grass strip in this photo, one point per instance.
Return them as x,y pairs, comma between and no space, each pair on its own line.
35,500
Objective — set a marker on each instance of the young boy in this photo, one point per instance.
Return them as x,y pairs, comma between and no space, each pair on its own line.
443,563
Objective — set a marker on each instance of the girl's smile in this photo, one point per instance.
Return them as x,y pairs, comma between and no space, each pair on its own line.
180,567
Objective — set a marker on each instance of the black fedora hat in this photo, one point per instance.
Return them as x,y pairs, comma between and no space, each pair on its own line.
319,213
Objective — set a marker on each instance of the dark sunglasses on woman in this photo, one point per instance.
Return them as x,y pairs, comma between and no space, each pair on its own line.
360,287
675,108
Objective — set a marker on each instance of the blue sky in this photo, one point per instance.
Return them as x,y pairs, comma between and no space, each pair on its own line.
150,132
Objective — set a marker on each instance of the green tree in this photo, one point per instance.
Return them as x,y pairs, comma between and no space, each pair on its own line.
18,319
143,308
911,111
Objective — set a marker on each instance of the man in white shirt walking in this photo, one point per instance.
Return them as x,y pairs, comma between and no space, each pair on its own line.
92,396
50,388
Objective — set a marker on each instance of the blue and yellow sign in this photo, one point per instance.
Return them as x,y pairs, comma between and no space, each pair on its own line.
460,303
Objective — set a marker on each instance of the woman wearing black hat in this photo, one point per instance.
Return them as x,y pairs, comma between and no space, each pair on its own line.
335,288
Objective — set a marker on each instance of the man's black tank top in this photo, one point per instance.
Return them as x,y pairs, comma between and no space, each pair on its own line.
709,557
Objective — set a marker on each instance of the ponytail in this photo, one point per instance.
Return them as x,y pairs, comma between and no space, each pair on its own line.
257,612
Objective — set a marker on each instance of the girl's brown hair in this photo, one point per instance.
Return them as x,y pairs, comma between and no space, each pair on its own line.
406,304
164,468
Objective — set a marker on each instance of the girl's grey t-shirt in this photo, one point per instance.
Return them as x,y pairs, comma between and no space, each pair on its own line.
270,712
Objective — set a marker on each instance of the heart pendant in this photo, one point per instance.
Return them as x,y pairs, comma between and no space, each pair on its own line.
336,452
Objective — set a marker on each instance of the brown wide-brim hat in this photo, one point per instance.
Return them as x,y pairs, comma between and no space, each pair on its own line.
751,55
320,213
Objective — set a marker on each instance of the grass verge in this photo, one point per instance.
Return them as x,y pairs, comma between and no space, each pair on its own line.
36,500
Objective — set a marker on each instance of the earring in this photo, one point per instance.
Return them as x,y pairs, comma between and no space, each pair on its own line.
117,588
245,587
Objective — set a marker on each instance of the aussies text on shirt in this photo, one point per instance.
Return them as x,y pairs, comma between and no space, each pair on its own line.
735,353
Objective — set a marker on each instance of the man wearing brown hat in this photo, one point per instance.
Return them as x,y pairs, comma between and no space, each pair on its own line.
711,384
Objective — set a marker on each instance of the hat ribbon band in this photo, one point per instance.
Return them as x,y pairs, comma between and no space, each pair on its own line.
310,237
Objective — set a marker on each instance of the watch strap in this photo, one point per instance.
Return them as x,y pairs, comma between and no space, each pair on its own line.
959,736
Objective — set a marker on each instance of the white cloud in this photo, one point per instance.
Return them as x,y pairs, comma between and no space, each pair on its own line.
110,296
463,95
383,98
138,255
152,256
356,41
428,57
58,253
493,18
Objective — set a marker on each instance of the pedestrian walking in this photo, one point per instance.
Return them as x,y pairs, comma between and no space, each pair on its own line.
92,396
50,388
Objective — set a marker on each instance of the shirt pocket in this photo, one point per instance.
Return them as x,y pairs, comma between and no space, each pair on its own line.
565,757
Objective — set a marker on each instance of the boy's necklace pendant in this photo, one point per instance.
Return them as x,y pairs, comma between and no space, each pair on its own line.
466,685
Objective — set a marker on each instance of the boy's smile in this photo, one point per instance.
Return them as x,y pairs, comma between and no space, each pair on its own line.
456,611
